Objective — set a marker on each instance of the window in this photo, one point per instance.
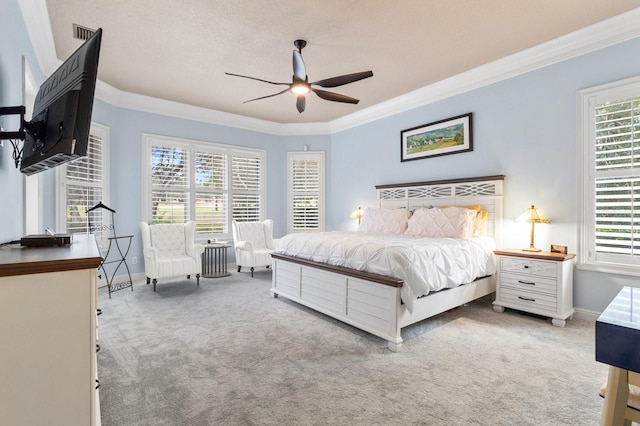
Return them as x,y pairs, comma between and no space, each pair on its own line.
83,183
610,177
209,183
305,191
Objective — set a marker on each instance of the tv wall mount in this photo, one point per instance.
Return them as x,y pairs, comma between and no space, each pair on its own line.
35,128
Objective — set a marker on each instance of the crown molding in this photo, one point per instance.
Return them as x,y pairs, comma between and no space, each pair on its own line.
36,19
606,33
128,100
589,39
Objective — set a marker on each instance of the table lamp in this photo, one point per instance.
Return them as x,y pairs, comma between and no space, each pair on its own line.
357,214
533,216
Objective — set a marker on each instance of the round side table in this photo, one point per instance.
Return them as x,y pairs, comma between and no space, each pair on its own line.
214,260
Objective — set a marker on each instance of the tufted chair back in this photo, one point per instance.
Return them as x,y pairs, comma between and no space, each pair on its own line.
169,240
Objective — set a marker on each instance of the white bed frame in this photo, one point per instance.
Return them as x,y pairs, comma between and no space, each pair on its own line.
372,302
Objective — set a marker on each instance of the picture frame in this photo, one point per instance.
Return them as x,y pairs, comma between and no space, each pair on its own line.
449,136
557,248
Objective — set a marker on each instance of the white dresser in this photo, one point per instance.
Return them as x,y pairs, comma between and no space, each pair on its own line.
48,366
537,282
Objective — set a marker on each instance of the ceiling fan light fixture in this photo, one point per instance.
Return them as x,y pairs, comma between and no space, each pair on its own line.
300,88
300,85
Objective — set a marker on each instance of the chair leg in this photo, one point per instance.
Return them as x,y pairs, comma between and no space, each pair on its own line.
148,280
154,284
239,268
198,280
252,272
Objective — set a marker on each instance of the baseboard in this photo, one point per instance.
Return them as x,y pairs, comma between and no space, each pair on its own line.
586,314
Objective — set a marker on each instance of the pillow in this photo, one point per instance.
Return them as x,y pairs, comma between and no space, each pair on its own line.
389,221
476,207
482,219
480,228
451,222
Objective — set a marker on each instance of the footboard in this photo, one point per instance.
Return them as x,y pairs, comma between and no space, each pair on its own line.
367,301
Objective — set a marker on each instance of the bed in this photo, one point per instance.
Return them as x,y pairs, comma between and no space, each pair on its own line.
375,296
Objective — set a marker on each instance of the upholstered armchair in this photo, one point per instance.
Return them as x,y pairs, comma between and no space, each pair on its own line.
169,251
254,243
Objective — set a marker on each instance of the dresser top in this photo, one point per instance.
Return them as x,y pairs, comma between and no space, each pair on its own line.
543,255
83,253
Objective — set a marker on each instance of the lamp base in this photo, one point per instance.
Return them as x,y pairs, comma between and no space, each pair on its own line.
531,249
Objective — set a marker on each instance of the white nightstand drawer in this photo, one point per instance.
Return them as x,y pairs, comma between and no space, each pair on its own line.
528,266
527,300
529,283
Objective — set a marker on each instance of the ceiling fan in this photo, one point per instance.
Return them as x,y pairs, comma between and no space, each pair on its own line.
300,85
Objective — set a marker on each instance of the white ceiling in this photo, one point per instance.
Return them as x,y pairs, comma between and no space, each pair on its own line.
180,50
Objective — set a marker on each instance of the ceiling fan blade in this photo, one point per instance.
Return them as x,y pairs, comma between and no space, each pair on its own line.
265,97
299,70
301,102
258,79
343,79
336,97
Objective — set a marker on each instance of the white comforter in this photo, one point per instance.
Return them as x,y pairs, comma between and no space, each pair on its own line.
425,264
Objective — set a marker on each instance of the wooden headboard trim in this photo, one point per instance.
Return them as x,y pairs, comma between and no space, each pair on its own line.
441,182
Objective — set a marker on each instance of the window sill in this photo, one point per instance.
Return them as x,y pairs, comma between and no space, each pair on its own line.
628,270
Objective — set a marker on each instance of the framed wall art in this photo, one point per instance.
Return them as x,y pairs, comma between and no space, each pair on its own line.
449,136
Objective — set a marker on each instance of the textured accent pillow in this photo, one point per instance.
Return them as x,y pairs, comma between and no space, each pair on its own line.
389,221
476,207
451,222
480,227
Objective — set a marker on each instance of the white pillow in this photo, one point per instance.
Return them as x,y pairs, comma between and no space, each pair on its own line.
451,222
389,221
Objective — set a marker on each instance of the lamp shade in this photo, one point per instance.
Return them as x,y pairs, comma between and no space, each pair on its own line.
532,215
357,214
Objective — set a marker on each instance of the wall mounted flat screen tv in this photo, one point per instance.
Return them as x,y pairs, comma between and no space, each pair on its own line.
59,129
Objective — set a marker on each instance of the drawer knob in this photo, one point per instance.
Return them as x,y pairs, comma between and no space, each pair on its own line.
526,266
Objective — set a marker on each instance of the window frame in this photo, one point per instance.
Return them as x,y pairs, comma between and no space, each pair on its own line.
291,157
104,133
150,140
587,100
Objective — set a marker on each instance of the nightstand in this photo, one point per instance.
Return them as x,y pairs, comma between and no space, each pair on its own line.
536,282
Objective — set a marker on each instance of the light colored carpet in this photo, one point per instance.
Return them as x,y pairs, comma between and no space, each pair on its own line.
226,353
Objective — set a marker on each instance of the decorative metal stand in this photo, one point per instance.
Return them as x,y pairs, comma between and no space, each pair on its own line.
116,254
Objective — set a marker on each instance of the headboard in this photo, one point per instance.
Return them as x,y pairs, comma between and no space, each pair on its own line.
487,191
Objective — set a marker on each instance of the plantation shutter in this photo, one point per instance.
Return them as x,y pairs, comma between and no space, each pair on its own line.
211,184
306,184
246,187
169,185
83,186
211,193
617,179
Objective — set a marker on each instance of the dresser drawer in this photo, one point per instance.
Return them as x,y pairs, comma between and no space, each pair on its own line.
525,300
529,283
528,266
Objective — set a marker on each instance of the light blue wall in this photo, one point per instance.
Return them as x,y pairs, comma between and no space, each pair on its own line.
126,130
127,127
14,44
524,128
